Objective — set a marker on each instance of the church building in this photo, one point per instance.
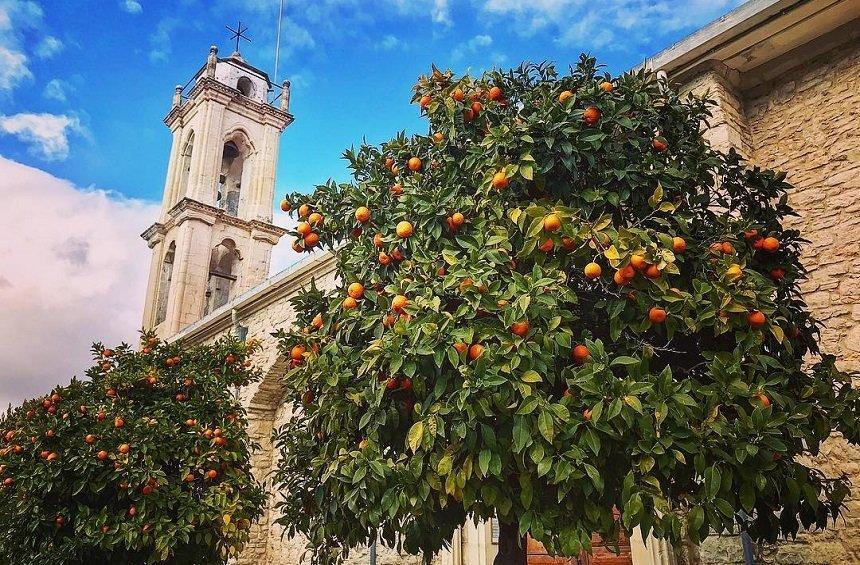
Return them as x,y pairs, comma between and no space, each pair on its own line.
785,75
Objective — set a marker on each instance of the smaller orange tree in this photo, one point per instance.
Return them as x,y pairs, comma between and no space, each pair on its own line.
562,309
146,461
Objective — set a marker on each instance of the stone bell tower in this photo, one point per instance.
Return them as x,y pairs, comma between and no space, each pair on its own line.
214,236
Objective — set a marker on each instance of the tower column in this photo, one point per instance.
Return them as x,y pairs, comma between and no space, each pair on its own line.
170,183
157,246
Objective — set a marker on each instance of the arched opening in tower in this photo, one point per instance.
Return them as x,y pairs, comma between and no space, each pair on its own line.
185,165
230,181
222,274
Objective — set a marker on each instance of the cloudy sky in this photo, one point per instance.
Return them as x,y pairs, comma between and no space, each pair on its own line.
84,85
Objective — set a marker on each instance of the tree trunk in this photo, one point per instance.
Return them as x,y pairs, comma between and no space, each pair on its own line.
512,546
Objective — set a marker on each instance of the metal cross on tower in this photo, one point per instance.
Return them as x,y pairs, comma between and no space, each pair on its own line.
238,34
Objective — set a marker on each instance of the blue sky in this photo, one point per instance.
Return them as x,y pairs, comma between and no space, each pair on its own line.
107,68
85,84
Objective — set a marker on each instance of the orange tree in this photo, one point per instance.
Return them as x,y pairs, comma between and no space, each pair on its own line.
146,461
561,308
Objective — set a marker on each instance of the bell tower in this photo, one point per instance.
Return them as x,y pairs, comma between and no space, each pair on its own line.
213,238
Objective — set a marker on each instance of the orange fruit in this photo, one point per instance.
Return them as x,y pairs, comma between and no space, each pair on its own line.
591,115
461,347
580,353
303,228
521,328
564,96
317,321
396,254
458,94
652,272
355,290
457,219
756,319
438,137
727,248
285,205
475,351
777,273
751,234
606,86
396,189
349,303
476,108
389,162
592,270
627,272
678,244
620,279
638,262
586,414
362,214
657,315
399,303
404,229
547,246
311,240
495,93
716,247
734,272
315,219
297,247
425,101
762,399
297,352
414,164
377,240
384,258
304,210
568,243
551,223
770,244
659,145
124,448
500,181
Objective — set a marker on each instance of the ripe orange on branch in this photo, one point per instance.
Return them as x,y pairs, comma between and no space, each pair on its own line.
404,229
500,180
362,214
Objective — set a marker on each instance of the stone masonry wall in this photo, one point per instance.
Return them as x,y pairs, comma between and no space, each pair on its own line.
808,124
267,411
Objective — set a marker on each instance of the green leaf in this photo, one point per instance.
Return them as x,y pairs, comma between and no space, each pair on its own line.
545,425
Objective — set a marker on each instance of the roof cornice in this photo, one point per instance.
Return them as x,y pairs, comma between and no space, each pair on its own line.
208,88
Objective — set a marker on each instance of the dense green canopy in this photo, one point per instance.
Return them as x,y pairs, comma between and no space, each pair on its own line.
568,303
147,460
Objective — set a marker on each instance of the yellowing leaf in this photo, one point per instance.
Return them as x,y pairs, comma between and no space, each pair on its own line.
415,435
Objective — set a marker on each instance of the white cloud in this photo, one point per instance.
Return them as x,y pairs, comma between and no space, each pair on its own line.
613,23
13,68
48,47
160,40
131,6
57,89
471,47
46,134
74,271
390,42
